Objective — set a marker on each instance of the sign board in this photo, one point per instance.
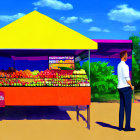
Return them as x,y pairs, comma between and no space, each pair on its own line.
59,62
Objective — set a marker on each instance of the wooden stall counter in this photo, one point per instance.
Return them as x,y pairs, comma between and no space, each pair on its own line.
45,96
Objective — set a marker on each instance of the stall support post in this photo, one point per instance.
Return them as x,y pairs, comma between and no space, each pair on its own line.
88,116
89,65
88,106
77,111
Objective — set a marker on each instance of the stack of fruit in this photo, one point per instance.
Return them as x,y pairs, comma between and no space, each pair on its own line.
11,82
45,78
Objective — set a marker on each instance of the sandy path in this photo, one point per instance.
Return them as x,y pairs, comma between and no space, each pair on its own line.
71,129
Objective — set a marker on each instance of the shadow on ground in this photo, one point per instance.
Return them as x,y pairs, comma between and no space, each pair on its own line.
37,112
138,100
73,108
107,125
33,113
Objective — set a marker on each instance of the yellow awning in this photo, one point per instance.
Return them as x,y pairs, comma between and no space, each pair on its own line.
38,31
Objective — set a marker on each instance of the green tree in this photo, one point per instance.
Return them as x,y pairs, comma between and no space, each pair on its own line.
135,73
77,66
135,61
102,81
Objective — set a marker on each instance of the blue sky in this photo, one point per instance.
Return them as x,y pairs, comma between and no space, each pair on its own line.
96,19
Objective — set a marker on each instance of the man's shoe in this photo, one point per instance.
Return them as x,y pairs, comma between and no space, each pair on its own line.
120,129
130,129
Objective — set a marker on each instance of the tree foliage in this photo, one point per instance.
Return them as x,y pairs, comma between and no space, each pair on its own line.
77,66
136,47
135,73
135,61
102,81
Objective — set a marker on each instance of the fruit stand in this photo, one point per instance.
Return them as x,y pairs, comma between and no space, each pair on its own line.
53,86
57,82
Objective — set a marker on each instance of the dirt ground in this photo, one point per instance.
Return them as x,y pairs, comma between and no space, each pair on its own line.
102,114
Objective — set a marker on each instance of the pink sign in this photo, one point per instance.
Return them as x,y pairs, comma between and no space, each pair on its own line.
2,99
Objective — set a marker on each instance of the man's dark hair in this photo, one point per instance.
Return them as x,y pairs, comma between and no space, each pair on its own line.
122,54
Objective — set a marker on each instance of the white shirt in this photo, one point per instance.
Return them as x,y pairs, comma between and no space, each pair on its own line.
123,75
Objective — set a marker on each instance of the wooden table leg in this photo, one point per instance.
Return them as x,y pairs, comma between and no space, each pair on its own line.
88,116
77,110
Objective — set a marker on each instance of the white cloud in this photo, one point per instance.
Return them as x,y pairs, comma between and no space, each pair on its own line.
54,4
69,19
123,13
97,29
129,28
86,20
8,18
73,19
106,30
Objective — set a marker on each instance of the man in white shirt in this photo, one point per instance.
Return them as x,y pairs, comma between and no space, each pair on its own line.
125,90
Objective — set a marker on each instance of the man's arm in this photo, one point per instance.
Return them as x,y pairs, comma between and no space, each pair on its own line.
126,76
129,82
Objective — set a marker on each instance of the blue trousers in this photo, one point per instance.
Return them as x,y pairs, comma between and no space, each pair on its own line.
125,106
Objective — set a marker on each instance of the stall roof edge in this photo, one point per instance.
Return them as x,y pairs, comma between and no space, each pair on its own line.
111,41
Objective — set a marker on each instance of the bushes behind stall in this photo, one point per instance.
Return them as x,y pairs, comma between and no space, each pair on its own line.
135,61
103,82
